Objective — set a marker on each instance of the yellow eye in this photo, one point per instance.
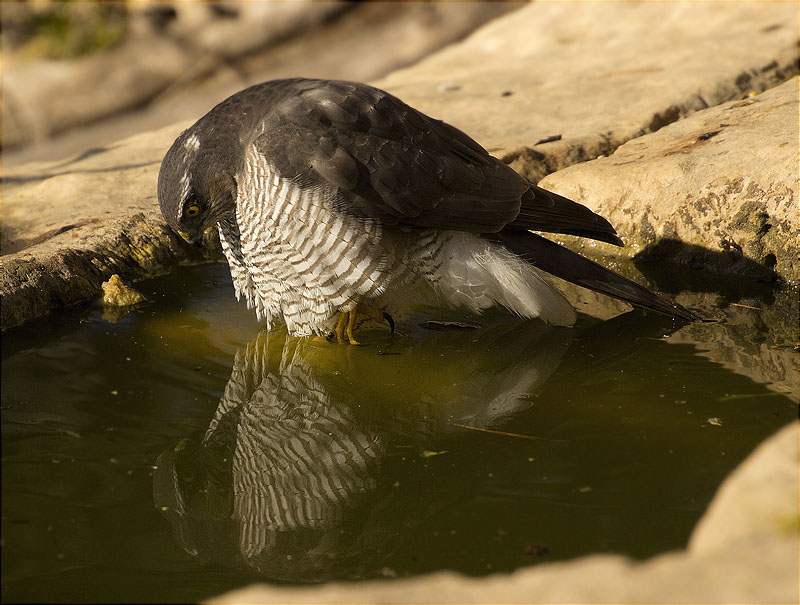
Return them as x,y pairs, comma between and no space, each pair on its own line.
192,211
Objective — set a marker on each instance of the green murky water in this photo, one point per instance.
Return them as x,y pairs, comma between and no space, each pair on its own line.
178,453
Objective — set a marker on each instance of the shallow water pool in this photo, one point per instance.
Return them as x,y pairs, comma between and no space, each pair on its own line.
181,451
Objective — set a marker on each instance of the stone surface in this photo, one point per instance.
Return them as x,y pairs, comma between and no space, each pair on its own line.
757,501
598,73
722,181
744,550
48,96
363,42
69,226
44,201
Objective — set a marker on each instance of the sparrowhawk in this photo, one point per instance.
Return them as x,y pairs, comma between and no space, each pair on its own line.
333,197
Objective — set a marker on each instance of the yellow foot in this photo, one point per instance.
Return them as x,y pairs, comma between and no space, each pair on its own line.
346,323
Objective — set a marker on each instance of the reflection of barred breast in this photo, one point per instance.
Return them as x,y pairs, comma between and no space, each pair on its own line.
298,459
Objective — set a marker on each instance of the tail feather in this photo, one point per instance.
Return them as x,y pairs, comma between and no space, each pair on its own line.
562,262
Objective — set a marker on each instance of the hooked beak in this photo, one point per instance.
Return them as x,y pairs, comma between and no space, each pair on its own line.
189,240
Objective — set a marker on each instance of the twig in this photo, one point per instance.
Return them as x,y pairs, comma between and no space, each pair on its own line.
475,428
746,307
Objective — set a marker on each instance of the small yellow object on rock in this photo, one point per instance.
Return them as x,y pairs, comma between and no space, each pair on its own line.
117,294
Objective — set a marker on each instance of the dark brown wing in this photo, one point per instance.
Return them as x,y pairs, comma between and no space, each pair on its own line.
543,210
388,160
392,162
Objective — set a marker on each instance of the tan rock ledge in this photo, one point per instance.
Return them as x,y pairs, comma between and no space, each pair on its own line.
68,226
598,74
717,189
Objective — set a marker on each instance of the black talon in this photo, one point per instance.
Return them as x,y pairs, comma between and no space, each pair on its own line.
330,336
390,321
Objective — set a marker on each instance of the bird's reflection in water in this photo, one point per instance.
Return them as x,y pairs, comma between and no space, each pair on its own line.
285,477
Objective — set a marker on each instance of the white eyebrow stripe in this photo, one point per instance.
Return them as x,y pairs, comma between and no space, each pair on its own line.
185,185
192,143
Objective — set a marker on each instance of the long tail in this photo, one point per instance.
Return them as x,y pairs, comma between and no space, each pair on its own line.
562,262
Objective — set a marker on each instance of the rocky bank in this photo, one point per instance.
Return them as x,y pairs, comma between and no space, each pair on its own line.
677,121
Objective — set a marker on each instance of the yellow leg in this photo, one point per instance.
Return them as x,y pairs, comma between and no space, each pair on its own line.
351,324
344,330
338,329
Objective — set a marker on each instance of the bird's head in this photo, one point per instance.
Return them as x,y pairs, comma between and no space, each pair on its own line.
196,188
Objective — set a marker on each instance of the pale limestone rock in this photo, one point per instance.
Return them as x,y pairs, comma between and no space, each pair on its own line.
67,226
723,179
188,64
598,73
48,96
757,502
45,204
